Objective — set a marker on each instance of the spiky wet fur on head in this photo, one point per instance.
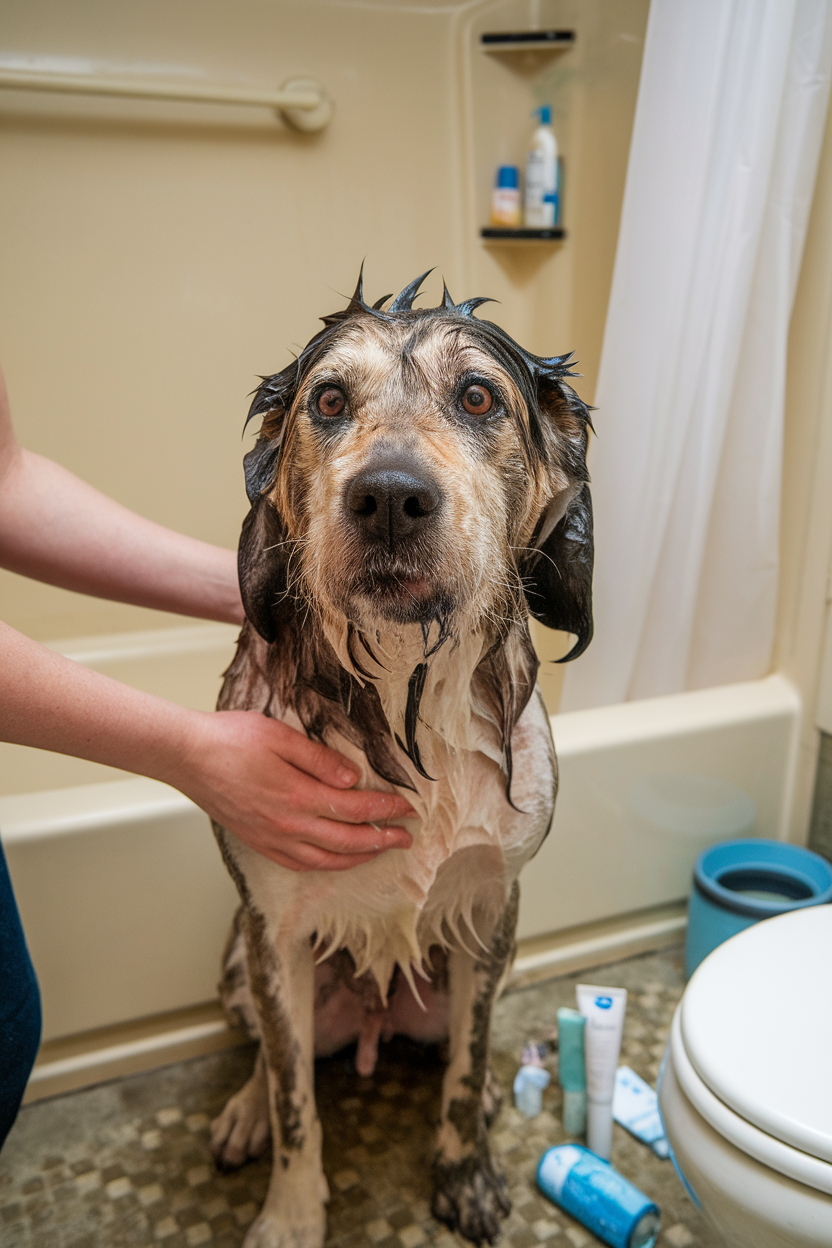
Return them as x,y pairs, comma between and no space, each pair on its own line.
355,652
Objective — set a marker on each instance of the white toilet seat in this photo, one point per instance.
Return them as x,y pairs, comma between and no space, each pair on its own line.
756,1023
797,1165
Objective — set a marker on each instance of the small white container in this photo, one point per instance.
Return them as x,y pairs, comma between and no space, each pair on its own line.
541,206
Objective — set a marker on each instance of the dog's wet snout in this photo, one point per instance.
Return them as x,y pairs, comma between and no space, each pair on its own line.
392,502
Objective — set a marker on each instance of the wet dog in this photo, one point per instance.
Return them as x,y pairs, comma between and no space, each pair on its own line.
417,489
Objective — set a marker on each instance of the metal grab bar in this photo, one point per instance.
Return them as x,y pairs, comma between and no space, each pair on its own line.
301,102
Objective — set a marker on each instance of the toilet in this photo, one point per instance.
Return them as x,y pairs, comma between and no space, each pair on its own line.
746,1090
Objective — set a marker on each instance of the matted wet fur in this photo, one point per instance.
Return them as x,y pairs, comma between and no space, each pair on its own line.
417,489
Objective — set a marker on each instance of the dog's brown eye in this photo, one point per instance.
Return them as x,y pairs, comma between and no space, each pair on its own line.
477,401
331,402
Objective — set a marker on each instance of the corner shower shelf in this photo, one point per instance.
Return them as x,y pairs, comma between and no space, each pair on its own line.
527,41
496,234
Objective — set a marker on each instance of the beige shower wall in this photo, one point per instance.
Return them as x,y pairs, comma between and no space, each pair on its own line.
155,258
553,298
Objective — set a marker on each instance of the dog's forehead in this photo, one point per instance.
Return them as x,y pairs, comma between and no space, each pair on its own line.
374,353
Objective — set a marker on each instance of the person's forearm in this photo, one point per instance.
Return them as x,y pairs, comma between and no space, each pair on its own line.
53,703
283,795
56,528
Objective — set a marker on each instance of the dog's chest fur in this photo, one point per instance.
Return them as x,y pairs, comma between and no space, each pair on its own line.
469,840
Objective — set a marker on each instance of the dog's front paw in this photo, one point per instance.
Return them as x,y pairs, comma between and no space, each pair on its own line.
242,1130
471,1197
271,1231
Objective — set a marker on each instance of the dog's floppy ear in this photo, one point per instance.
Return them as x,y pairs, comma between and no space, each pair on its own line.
260,466
262,565
557,569
557,577
263,553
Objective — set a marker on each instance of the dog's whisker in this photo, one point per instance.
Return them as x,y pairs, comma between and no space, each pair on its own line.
539,551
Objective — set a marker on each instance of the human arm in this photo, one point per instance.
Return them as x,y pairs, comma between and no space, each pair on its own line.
284,795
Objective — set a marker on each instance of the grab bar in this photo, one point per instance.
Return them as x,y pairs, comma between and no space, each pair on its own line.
301,102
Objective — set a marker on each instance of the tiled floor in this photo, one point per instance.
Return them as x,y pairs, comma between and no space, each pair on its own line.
126,1164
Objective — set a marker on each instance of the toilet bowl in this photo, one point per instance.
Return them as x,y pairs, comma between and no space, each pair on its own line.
746,1091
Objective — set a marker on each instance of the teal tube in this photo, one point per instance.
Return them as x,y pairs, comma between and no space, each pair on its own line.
572,1070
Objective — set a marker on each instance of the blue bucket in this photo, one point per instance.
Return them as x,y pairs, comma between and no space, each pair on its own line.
741,882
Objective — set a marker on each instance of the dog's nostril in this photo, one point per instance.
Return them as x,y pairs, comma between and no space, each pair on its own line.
413,507
365,505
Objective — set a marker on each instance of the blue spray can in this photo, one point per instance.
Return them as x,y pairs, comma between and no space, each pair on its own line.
602,1199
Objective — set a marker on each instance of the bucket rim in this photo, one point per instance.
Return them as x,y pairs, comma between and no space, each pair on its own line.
756,854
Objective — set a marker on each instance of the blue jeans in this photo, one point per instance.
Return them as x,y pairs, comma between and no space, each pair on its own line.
19,1006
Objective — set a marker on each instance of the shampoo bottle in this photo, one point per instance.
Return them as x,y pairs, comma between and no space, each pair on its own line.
542,174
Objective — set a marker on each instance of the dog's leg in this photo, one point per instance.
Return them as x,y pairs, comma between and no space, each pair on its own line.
282,975
470,1193
234,986
492,1097
242,1130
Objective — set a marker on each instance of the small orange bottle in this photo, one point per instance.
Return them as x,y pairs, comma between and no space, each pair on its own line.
506,210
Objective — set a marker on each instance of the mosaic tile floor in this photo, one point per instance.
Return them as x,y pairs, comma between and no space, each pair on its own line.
127,1165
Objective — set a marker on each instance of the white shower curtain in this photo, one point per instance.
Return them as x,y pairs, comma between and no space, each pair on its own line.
686,468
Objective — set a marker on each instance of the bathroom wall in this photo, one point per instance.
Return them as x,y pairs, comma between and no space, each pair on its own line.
154,258
553,297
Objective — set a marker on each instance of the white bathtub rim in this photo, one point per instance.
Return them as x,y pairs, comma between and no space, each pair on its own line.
27,817
699,710
150,643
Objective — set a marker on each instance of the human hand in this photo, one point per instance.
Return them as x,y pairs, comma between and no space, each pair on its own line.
285,796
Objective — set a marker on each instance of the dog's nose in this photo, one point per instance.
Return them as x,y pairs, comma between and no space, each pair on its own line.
391,503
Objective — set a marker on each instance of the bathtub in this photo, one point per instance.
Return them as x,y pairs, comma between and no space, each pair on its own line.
126,903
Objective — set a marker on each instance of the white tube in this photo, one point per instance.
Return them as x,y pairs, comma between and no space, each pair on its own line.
604,1010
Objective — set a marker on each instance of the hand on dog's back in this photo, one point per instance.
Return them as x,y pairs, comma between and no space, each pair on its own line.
285,796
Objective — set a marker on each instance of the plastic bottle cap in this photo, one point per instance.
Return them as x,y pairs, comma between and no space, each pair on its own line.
544,113
643,1234
508,177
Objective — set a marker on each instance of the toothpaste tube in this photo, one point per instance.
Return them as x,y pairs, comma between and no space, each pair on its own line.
636,1106
604,1010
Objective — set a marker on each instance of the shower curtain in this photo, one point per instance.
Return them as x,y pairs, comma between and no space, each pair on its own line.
686,467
